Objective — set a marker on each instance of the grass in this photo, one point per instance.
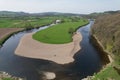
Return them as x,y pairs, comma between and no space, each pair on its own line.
117,61
10,22
22,23
7,79
31,22
58,34
27,23
108,74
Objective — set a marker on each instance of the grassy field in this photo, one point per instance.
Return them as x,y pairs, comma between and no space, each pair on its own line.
32,22
108,74
60,33
10,22
24,23
7,79
10,25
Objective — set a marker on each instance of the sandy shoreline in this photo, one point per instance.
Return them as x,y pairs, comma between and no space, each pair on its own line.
59,53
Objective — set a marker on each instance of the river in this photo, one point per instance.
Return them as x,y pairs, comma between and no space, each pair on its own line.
87,60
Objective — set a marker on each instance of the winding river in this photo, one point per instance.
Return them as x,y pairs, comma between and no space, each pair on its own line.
87,60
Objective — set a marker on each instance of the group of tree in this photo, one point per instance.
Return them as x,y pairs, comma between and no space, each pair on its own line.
107,30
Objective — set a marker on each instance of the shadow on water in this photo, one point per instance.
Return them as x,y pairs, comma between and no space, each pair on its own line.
87,60
103,54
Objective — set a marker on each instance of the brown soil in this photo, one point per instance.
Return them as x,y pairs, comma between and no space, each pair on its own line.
6,31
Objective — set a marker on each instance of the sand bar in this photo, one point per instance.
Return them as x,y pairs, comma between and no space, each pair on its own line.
59,53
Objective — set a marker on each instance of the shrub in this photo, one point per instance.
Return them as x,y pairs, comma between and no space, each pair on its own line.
71,31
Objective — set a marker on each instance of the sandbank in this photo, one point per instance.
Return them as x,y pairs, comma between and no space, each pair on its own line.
59,53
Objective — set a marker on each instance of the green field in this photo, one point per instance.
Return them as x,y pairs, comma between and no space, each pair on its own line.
7,79
108,74
25,22
30,22
60,33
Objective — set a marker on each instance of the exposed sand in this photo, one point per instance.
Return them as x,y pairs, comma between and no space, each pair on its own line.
59,53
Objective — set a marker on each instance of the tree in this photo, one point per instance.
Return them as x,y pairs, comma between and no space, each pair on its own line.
71,31
28,25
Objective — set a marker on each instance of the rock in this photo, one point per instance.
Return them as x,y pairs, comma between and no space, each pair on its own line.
49,75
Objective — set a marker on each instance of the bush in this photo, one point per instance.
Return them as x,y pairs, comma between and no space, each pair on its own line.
71,31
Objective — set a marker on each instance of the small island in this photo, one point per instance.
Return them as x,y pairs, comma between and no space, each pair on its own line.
58,43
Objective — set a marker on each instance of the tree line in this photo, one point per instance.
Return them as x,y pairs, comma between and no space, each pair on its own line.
107,29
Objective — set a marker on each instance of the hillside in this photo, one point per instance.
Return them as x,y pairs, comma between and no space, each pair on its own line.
99,14
12,14
24,14
106,30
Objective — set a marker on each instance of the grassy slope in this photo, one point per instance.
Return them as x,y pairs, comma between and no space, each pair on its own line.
107,74
58,34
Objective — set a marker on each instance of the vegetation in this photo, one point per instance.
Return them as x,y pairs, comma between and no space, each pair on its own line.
99,14
26,22
7,79
60,33
31,21
107,30
23,14
108,73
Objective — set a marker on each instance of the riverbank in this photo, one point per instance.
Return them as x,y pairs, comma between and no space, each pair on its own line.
105,56
6,76
5,33
103,52
59,33
59,53
106,67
